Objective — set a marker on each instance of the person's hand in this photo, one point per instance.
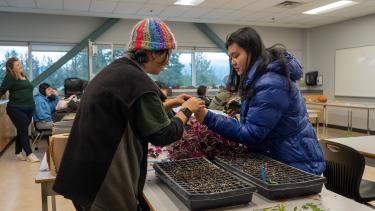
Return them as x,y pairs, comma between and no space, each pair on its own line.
180,99
232,112
54,91
193,104
201,114
233,108
72,97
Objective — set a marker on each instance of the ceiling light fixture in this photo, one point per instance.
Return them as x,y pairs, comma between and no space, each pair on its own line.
330,7
188,2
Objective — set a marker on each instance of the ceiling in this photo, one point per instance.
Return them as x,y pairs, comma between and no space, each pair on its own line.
243,12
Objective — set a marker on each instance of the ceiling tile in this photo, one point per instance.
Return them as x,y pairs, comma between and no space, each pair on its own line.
195,12
77,5
163,2
260,5
22,3
174,11
151,9
133,1
127,8
236,4
102,6
50,4
216,13
236,15
212,3
258,15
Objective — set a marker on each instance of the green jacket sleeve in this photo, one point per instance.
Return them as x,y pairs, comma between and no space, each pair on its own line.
152,123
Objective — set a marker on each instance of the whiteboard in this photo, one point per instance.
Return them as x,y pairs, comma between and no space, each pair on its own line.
355,72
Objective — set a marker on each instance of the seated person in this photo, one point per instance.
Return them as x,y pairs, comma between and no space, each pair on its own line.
45,104
220,100
202,93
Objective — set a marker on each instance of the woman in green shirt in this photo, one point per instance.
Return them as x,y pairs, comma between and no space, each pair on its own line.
20,106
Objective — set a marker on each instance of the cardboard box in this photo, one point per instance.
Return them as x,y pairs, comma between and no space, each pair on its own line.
56,150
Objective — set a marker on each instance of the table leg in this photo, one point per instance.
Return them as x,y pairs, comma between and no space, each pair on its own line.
317,126
44,197
368,121
53,200
350,122
325,121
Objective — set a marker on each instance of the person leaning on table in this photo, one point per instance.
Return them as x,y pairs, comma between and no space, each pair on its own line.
273,115
104,163
20,106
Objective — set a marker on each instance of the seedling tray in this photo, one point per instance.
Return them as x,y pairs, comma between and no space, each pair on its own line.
276,180
199,184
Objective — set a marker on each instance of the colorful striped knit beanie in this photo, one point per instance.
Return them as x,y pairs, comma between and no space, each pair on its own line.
151,34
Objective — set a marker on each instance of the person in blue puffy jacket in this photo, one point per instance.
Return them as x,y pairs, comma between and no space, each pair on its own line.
273,115
45,104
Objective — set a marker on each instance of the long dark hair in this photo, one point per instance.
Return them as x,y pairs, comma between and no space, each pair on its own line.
249,39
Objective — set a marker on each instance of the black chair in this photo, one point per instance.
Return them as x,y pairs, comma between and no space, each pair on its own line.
74,86
38,134
344,171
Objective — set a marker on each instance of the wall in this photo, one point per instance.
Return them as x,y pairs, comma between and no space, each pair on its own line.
321,47
71,29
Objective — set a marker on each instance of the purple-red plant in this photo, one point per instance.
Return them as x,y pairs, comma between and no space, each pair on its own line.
154,151
199,141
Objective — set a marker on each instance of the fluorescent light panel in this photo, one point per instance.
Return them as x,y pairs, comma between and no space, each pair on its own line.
188,2
330,7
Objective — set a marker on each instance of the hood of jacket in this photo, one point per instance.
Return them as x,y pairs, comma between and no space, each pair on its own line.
294,68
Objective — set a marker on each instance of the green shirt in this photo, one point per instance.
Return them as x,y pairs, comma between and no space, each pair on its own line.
150,115
20,91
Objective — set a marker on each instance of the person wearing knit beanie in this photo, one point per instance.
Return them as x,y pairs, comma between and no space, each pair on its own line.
151,42
120,113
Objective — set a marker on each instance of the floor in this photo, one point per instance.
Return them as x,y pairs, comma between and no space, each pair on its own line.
18,190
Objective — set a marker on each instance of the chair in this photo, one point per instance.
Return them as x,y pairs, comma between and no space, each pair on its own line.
38,134
344,171
74,86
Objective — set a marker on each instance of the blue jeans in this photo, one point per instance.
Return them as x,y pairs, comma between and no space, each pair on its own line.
21,118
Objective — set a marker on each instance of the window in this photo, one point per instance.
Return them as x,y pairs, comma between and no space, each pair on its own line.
44,55
207,68
178,72
8,51
102,55
211,68
118,52
77,67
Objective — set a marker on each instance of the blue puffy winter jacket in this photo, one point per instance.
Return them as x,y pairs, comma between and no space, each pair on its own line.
274,121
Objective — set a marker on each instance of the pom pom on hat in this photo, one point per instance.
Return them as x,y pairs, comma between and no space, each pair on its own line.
151,34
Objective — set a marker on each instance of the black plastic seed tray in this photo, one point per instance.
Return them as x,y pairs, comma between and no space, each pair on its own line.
200,184
273,179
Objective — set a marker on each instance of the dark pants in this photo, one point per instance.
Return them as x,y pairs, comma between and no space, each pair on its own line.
21,118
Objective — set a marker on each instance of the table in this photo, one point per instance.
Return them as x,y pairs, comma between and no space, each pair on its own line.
69,116
46,181
160,197
314,114
363,144
349,105
7,129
